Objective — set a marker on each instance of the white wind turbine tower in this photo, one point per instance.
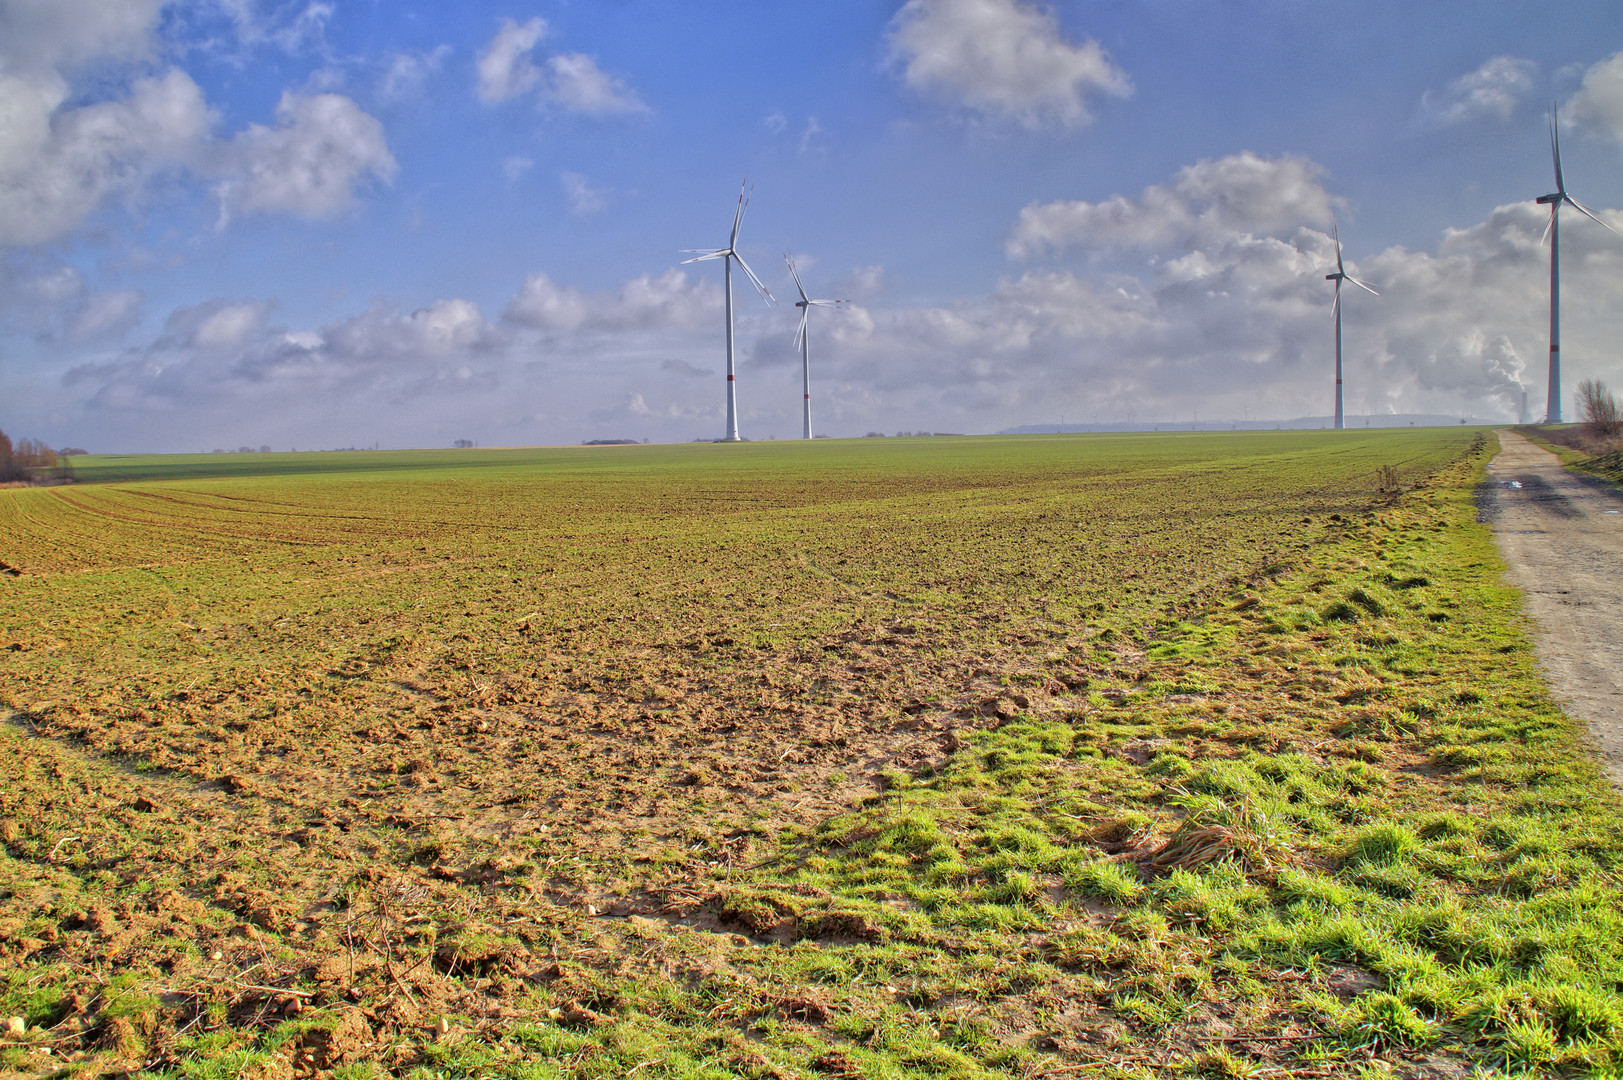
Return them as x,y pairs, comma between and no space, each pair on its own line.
1552,232
727,255
1338,277
802,339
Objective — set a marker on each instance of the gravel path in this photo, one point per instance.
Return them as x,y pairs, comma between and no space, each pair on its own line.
1562,534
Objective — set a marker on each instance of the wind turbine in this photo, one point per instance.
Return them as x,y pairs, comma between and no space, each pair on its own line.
1338,277
802,339
1552,232
728,254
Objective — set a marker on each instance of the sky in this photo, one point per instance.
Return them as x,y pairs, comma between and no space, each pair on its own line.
314,224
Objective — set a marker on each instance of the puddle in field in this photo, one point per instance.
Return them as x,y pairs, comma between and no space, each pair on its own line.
1514,485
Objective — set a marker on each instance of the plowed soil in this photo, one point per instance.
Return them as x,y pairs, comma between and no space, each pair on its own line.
394,740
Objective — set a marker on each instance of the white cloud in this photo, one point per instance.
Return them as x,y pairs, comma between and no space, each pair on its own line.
504,67
584,199
63,162
568,82
445,328
228,325
514,167
52,303
219,374
310,163
43,36
645,302
862,283
1492,90
576,84
407,74
809,134
1241,193
106,315
1598,105
1003,58
58,166
286,26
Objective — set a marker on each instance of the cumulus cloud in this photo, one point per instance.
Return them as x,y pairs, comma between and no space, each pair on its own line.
291,27
60,165
310,163
1241,193
504,69
105,315
568,82
44,36
406,74
1232,316
1001,58
1491,91
862,282
576,84
226,325
643,303
52,303
222,366
69,151
1598,105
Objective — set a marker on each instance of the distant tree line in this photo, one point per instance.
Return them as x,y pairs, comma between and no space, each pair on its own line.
20,461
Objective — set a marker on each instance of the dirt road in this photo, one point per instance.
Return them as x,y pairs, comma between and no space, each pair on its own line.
1562,534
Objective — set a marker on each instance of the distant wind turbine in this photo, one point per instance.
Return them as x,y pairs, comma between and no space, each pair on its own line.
1338,277
1552,233
728,254
802,339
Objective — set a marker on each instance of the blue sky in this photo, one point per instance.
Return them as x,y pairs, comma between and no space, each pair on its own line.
326,223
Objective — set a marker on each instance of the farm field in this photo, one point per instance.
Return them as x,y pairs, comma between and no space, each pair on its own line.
1194,754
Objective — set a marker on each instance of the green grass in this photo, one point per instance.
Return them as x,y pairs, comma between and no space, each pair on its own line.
1201,757
1607,466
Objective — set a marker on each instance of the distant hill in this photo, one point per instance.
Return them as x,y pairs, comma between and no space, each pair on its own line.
1352,423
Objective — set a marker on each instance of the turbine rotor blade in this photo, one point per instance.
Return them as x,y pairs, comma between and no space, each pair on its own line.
738,215
706,257
800,332
1366,286
766,293
1545,239
1586,212
1555,149
795,274
1336,306
1335,231
827,303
